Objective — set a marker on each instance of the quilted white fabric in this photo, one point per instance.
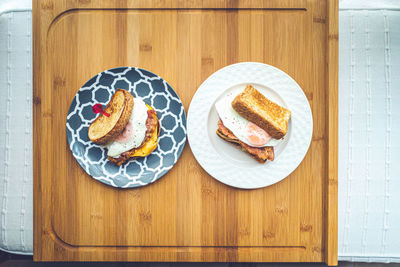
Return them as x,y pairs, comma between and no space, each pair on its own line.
16,201
369,126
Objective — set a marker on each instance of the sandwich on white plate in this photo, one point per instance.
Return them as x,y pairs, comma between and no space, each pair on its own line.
252,122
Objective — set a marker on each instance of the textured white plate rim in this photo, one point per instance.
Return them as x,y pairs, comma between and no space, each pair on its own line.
271,172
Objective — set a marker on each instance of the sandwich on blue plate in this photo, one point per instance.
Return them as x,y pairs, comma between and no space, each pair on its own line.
130,131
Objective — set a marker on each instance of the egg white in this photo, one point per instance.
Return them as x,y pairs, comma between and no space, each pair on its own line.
138,120
234,122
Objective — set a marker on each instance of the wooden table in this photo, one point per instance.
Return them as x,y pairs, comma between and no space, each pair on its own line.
187,215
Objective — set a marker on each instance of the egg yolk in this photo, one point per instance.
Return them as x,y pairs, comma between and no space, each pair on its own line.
257,136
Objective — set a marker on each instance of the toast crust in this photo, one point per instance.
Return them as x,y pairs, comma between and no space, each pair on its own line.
255,107
104,129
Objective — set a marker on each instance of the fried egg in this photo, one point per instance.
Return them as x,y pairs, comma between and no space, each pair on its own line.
246,131
134,132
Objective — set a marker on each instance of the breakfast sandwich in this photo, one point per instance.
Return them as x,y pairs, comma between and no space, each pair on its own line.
128,128
252,122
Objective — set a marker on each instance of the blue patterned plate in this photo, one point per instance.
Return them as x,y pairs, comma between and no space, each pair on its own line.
155,92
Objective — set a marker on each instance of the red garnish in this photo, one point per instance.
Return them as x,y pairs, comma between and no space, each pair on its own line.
98,108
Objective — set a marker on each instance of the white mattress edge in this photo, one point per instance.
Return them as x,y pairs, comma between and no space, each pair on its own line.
27,253
6,11
370,259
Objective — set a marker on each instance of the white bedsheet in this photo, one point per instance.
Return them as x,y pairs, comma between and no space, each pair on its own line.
369,128
16,200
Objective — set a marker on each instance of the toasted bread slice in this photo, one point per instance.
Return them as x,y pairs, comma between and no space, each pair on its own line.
105,129
261,111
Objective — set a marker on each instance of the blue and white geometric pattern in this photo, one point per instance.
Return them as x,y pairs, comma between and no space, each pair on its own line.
155,92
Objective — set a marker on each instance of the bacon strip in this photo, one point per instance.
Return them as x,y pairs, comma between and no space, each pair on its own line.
261,154
151,125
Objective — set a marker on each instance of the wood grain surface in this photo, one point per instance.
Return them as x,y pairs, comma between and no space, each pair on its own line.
187,215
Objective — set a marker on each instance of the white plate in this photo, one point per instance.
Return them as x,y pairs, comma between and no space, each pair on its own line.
224,161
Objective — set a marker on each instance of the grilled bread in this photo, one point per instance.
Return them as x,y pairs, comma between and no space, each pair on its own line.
105,129
266,114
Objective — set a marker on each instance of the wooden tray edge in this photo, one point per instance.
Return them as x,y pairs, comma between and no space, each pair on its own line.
331,224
